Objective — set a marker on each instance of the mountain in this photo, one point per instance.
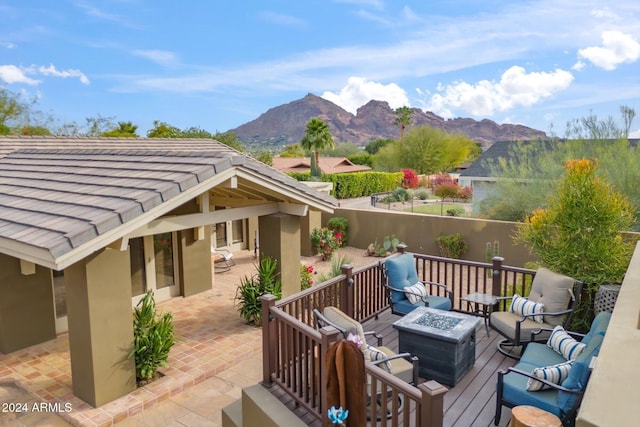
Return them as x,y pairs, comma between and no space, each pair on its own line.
285,124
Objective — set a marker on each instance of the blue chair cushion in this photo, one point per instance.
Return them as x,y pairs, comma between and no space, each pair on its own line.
515,391
401,272
575,381
598,325
541,355
405,307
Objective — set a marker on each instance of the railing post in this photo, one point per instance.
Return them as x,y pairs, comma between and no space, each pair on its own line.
328,335
432,404
347,291
269,336
402,248
496,275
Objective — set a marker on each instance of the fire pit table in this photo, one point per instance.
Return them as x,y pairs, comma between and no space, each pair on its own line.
444,341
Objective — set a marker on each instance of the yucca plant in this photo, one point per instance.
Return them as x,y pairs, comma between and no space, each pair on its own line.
153,338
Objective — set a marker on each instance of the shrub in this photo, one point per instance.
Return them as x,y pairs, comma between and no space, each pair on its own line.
422,195
410,179
452,245
465,193
350,185
455,211
580,233
325,241
337,261
339,224
265,281
306,276
442,179
401,195
446,191
153,337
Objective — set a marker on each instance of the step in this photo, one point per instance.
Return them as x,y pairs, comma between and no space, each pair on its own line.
261,408
232,414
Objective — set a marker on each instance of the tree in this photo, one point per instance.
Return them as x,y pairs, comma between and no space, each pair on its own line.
97,126
317,137
20,116
124,130
524,180
403,118
163,130
265,157
229,139
377,144
293,150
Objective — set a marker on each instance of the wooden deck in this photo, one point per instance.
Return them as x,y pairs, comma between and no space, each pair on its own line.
471,403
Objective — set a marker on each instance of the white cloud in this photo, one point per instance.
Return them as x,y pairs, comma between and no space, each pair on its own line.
359,91
376,4
635,134
285,20
515,88
617,48
12,74
7,45
603,13
162,57
52,71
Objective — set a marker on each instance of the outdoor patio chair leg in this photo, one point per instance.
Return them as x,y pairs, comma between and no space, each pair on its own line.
507,348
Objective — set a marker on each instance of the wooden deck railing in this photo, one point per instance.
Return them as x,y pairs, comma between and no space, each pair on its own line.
294,349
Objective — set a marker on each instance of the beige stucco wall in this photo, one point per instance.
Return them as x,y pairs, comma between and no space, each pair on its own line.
280,240
420,231
613,394
26,306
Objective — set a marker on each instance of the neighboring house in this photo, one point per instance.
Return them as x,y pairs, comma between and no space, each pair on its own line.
328,165
88,225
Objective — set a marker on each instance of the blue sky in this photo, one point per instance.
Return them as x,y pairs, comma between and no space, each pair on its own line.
219,64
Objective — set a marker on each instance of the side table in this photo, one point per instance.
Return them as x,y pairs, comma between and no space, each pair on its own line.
481,303
530,416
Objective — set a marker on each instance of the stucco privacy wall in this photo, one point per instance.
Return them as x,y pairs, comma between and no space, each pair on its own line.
613,394
420,231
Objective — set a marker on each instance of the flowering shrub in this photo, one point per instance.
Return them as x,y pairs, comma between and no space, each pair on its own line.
446,191
580,232
410,179
443,179
306,276
326,241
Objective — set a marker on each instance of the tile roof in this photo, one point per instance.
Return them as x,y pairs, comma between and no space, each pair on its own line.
327,165
57,194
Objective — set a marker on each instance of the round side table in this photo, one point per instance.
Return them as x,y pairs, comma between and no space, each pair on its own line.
530,416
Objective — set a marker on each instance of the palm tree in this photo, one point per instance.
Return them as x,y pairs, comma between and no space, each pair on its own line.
403,118
317,137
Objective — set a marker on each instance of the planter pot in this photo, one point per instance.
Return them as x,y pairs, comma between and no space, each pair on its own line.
606,297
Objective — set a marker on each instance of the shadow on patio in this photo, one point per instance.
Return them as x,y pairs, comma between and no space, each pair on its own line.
211,338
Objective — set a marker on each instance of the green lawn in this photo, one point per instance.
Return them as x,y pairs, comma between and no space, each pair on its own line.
435,208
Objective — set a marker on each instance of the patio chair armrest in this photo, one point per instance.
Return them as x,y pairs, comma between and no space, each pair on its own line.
440,285
377,336
542,380
409,358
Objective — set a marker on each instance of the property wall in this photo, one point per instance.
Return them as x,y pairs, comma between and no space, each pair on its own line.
419,232
612,395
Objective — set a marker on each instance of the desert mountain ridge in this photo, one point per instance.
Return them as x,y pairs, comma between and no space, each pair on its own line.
285,124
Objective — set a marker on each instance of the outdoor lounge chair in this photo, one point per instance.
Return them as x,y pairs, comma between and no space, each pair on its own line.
402,365
406,291
551,302
222,259
546,379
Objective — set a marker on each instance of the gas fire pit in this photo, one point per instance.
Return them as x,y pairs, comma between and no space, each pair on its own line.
444,341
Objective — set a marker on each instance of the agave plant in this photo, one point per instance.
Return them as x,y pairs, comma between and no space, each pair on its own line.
265,281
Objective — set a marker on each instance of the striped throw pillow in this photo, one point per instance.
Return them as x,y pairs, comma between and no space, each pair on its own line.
376,355
555,374
522,306
415,293
564,344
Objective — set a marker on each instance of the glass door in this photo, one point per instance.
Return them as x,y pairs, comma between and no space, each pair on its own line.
153,266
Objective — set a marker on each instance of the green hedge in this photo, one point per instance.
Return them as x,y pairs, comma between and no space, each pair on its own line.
350,185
